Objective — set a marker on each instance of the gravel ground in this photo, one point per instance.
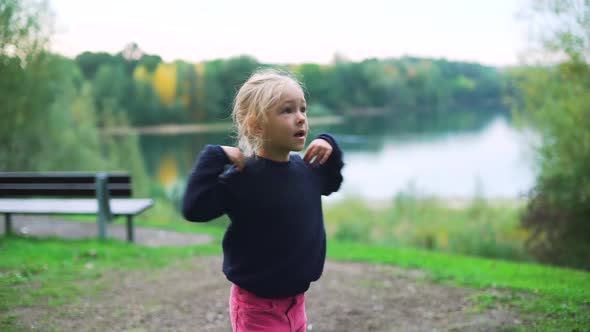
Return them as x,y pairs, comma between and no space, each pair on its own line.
49,226
193,296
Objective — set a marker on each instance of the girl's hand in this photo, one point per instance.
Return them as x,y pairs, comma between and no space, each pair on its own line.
318,151
235,156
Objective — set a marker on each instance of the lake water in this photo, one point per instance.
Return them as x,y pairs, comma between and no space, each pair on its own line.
494,162
486,157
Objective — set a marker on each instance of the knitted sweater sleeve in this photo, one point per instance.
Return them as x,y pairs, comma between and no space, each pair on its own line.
204,197
331,171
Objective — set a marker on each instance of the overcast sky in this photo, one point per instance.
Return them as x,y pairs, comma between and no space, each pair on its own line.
485,31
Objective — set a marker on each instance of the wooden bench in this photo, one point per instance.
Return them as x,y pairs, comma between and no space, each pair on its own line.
106,195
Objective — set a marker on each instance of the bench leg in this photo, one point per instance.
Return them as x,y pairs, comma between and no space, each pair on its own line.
102,227
130,230
7,224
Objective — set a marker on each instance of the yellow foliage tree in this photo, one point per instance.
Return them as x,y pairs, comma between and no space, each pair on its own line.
168,171
164,82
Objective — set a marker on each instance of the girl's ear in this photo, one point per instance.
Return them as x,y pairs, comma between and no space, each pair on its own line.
256,128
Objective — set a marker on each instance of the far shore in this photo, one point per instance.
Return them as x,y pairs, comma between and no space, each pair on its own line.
213,127
450,202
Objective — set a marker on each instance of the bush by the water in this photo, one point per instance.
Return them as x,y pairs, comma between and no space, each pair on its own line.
555,102
477,228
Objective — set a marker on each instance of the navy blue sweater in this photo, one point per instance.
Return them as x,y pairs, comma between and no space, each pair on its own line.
275,245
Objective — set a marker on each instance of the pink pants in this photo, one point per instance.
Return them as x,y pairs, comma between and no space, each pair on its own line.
249,313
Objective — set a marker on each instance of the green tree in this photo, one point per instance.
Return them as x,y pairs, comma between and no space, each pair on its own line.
47,107
89,62
110,87
233,73
556,96
214,95
30,83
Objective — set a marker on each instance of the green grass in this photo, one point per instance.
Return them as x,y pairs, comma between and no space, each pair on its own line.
44,261
51,272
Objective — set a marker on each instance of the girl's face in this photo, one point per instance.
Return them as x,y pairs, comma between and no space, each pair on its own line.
285,129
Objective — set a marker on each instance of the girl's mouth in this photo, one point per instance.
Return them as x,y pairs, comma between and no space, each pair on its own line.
300,134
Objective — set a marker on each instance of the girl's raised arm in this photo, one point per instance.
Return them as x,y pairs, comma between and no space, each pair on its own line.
204,197
331,168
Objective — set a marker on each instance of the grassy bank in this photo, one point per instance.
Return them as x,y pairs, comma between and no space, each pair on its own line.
477,228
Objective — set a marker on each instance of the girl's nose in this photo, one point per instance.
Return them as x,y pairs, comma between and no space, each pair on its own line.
301,117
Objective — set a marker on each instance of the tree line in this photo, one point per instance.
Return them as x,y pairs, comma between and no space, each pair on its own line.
150,91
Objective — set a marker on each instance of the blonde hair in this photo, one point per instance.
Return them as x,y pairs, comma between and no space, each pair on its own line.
260,93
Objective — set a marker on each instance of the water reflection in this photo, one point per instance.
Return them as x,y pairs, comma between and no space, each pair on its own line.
494,162
456,156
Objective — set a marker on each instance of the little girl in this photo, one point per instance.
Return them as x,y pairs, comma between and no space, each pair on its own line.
275,245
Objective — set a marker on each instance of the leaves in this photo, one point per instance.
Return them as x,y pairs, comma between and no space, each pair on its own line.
556,100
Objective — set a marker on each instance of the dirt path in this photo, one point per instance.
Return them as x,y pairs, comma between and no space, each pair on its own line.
193,295
48,226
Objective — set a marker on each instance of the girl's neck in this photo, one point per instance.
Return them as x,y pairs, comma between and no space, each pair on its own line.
278,156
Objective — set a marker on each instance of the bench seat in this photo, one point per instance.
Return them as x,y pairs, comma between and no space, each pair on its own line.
106,195
119,206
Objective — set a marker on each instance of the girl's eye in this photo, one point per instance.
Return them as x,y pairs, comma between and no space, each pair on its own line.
287,110
303,109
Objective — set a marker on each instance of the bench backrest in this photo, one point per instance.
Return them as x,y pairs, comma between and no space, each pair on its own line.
63,184
101,185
